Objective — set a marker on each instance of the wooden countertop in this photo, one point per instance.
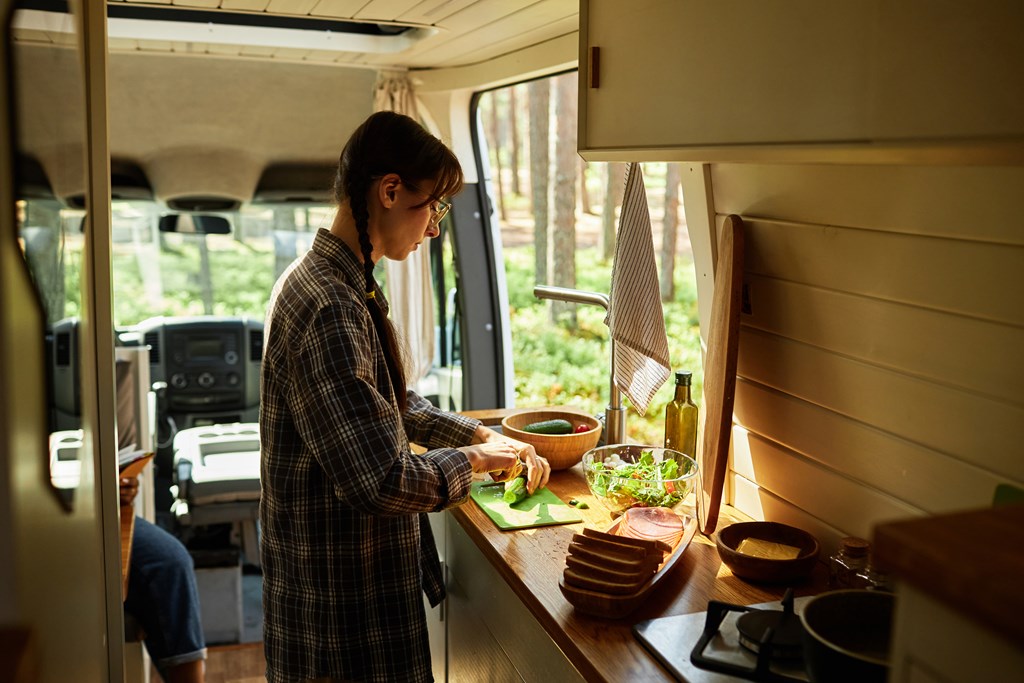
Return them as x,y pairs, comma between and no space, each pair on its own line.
532,560
973,562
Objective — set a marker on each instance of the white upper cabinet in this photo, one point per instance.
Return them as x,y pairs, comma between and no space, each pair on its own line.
932,81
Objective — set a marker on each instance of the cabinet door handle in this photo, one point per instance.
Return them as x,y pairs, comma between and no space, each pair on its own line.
595,67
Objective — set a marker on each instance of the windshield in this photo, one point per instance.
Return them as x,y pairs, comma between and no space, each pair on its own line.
169,274
181,274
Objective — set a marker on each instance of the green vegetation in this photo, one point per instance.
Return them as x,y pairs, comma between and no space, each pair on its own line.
558,366
241,278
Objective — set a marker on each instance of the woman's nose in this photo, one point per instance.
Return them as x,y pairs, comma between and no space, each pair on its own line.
433,230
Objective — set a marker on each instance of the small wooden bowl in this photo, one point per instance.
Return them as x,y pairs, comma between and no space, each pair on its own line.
763,569
561,450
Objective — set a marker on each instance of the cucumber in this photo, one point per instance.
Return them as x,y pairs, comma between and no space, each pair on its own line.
515,490
549,427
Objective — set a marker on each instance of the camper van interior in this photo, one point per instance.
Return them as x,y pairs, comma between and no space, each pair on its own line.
824,233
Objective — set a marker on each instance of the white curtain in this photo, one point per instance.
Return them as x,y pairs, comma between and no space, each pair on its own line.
409,283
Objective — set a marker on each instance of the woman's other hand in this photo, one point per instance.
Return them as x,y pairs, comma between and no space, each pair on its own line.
538,470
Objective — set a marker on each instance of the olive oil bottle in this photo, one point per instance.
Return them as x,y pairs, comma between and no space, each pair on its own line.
681,418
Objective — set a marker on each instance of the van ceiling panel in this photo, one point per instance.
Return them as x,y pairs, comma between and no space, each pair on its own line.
207,117
449,32
246,116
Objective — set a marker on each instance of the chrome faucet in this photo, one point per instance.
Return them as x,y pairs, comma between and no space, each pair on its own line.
614,414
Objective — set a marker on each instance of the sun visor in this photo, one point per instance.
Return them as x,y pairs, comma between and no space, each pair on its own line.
296,184
30,179
203,179
127,182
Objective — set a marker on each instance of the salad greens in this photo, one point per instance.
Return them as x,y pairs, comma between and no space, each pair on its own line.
645,483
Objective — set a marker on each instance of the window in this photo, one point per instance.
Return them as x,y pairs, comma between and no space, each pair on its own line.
558,216
185,274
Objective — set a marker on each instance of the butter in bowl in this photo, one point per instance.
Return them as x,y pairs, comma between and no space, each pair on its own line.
768,552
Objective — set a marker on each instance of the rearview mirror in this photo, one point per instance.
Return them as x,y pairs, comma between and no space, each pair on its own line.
195,223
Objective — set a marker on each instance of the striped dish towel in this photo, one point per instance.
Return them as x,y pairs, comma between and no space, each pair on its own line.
635,317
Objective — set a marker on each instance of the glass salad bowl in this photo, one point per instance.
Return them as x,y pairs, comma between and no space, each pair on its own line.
624,476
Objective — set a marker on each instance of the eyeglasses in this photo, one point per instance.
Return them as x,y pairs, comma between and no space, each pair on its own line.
438,207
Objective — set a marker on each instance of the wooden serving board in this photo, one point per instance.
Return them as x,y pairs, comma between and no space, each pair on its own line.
611,606
720,371
543,508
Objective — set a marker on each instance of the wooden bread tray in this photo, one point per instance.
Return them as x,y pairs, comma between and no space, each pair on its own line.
596,581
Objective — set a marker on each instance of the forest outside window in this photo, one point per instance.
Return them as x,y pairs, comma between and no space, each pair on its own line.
558,216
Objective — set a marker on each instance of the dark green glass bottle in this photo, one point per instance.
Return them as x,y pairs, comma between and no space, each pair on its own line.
681,418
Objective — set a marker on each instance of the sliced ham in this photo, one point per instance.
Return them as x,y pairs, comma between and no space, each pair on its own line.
657,524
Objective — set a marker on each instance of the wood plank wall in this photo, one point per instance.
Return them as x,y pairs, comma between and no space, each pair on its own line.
880,369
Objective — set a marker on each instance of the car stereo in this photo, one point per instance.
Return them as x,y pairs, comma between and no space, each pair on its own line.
210,366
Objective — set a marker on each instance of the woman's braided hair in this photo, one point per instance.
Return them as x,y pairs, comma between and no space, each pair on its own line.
391,143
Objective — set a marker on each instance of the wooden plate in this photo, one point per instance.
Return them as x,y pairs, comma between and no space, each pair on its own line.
616,606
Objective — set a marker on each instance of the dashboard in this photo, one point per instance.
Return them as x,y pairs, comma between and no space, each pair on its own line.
206,368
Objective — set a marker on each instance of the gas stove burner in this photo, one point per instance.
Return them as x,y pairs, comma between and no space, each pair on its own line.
780,629
774,636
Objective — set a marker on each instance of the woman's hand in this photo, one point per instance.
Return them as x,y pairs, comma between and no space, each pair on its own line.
538,471
493,456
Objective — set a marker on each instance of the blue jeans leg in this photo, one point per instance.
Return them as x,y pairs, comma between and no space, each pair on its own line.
162,596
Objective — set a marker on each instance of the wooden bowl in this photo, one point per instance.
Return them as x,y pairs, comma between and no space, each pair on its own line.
561,450
764,569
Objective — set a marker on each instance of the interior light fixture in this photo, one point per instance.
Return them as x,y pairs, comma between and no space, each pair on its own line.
231,28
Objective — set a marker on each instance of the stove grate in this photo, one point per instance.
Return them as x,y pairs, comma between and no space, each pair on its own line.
771,634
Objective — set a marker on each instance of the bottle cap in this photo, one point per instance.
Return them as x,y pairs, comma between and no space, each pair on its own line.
855,547
683,377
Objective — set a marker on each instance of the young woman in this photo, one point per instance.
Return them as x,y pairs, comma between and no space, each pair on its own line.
346,549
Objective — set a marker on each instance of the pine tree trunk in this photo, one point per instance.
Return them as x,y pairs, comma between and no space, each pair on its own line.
513,128
284,239
540,169
614,186
496,141
584,195
670,225
566,163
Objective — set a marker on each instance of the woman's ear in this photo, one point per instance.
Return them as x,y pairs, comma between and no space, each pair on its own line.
387,189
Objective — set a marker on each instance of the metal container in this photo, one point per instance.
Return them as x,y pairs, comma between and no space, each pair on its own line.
847,636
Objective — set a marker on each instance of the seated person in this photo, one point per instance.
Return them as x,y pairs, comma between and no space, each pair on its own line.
163,598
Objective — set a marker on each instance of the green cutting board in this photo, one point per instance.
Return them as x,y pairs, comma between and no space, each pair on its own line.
543,508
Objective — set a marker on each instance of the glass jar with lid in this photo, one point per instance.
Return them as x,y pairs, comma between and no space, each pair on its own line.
849,560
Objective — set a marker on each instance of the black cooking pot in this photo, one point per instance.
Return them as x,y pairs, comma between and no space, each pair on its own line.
847,635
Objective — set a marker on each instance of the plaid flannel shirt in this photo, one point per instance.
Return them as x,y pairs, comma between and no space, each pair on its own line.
346,552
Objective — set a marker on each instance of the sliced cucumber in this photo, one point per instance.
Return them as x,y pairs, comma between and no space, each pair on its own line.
515,490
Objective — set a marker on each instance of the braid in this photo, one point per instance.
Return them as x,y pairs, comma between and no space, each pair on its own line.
357,189
390,143
357,202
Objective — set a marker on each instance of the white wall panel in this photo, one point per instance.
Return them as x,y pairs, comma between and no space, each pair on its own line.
833,496
964,352
921,476
980,203
973,428
975,279
880,369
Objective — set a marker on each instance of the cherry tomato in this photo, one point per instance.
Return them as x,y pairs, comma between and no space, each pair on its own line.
580,428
